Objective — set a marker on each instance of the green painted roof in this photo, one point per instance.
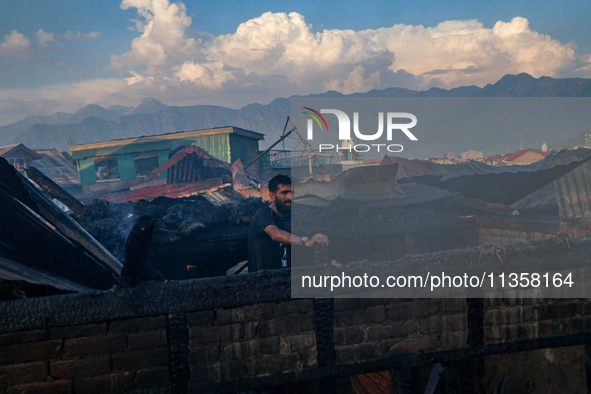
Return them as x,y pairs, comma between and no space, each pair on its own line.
166,137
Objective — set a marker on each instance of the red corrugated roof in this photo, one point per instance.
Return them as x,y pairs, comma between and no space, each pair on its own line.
516,154
176,190
519,153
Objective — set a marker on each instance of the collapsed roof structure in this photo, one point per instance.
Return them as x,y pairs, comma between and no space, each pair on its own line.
404,180
42,245
440,207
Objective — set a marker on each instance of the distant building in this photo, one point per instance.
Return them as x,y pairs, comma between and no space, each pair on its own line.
447,158
544,147
524,157
496,160
19,156
104,164
49,161
472,155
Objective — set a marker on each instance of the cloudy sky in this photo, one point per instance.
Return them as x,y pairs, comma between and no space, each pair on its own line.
60,55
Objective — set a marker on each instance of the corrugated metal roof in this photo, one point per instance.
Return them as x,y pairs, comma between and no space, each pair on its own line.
540,198
217,199
520,152
11,270
38,235
573,190
7,148
415,167
415,193
177,190
516,154
56,167
4,150
565,156
169,136
358,183
505,188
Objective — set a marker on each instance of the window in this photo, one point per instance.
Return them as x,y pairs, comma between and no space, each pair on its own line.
106,168
145,163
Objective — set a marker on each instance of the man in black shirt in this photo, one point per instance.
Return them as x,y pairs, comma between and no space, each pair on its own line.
269,234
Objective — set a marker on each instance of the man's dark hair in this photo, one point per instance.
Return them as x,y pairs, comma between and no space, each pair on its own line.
277,180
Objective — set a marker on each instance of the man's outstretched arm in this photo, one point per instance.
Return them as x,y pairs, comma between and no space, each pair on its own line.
284,237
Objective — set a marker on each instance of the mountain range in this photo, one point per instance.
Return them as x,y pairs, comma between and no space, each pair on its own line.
94,123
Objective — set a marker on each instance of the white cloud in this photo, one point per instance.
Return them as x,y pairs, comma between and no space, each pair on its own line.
464,52
279,55
164,40
283,47
91,36
15,44
44,37
78,36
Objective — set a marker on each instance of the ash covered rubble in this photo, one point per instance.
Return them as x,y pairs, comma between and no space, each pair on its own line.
44,251
192,237
201,216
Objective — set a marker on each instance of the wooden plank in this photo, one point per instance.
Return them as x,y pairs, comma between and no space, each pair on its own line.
56,191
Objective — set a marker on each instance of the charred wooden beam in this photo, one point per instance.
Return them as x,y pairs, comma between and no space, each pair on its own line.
136,267
56,191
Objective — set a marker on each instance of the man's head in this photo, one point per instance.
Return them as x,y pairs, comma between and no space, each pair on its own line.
280,192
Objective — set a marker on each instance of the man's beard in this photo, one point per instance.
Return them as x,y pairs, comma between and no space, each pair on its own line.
282,206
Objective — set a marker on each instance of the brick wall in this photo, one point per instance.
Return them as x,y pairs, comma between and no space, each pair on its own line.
91,358
244,332
232,344
511,320
373,329
134,354
251,341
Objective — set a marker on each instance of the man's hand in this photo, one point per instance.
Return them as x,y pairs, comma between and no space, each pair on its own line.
318,238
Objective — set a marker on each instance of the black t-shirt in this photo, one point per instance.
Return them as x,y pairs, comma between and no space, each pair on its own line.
263,252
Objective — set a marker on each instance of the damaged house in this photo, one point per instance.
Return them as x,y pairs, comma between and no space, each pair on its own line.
113,163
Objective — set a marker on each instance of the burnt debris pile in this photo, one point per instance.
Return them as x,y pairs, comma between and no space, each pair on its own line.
192,236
